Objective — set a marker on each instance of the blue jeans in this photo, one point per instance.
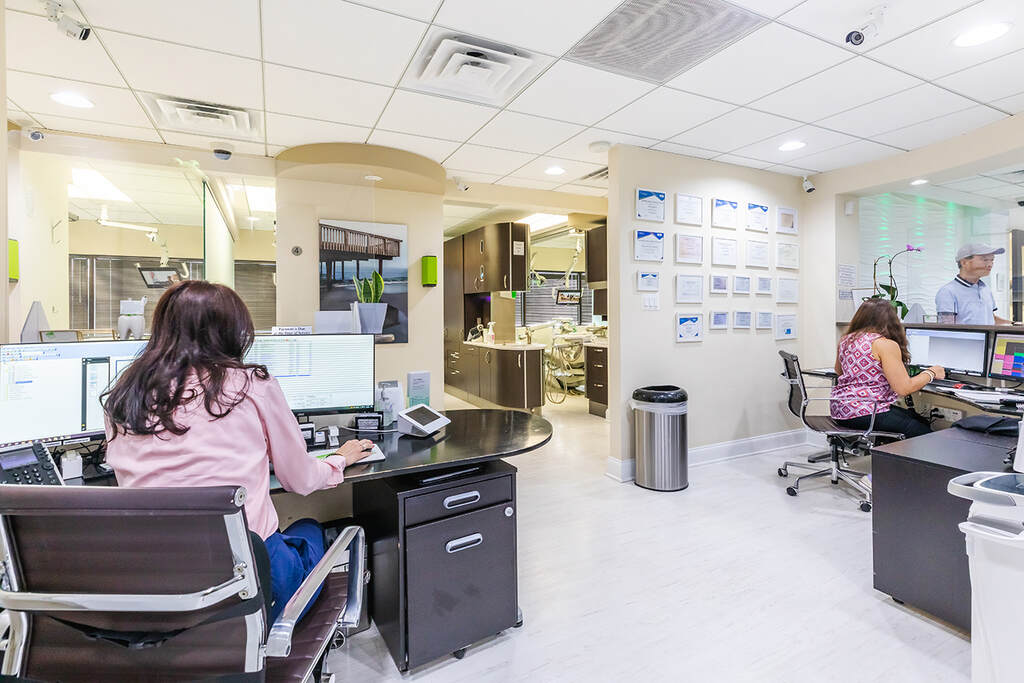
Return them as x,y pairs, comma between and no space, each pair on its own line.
293,554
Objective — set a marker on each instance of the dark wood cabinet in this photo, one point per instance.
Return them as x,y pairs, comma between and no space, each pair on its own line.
487,364
454,321
601,302
596,359
495,258
509,378
597,255
469,367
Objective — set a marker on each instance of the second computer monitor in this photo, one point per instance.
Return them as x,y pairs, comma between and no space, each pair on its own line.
1007,357
961,351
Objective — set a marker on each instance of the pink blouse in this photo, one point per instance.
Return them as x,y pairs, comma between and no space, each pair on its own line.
862,378
235,450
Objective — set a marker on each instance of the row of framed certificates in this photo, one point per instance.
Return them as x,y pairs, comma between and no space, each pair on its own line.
649,246
725,213
689,289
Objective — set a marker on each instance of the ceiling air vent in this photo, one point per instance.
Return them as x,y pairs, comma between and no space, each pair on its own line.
457,65
655,40
204,118
599,174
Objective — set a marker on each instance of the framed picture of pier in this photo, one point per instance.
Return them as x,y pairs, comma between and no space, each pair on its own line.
364,268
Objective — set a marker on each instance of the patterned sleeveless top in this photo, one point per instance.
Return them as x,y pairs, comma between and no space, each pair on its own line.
862,378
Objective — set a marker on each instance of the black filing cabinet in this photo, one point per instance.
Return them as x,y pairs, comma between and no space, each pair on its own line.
442,558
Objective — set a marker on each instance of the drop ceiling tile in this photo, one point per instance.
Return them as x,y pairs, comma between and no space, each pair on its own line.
339,38
592,182
535,170
930,53
226,25
1004,191
583,189
768,59
436,117
422,10
291,131
317,96
35,45
432,148
130,183
528,183
767,8
974,184
790,170
1013,104
579,94
180,71
742,161
990,81
735,129
905,108
181,209
578,147
208,143
815,139
663,113
550,27
472,176
525,133
942,128
833,20
156,197
842,87
685,150
113,105
858,152
110,130
487,160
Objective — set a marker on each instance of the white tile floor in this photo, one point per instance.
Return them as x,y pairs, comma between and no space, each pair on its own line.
730,580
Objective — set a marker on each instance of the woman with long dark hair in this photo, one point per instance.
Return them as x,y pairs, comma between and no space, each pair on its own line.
189,411
871,363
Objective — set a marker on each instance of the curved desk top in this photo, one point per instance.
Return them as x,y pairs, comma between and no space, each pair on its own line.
473,436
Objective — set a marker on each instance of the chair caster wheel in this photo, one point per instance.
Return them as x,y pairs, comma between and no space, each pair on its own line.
782,472
791,491
865,506
518,624
460,653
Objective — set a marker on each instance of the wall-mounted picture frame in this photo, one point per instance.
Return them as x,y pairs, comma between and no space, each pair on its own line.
757,217
741,284
689,289
719,284
689,248
741,320
764,285
758,254
569,297
724,213
786,222
689,327
718,320
764,320
689,209
724,251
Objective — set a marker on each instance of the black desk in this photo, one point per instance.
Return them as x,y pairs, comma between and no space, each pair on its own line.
919,552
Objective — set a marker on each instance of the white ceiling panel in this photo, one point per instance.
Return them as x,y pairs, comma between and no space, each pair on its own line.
432,148
207,143
129,183
578,148
929,52
573,170
742,161
423,10
550,27
180,71
738,128
790,170
842,87
974,184
935,130
512,130
764,61
529,183
473,176
685,150
487,160
858,152
583,189
34,44
436,117
999,78
815,140
110,130
1013,104
165,198
339,38
580,94
1004,191
291,131
663,113
833,20
114,105
905,108
226,25
767,8
330,98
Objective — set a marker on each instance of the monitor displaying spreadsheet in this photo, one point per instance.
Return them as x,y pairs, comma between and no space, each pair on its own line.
1007,357
961,351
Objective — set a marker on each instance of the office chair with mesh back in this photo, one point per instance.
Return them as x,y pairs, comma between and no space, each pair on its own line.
840,439
161,584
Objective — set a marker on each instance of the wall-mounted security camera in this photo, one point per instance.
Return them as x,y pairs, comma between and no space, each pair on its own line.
808,186
222,150
72,28
869,30
460,185
34,135
1020,202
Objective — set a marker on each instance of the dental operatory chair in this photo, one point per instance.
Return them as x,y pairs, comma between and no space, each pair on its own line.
160,584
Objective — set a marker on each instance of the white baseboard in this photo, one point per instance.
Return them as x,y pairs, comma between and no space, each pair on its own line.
624,470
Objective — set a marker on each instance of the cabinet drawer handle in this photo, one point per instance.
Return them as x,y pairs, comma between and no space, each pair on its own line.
464,543
598,365
519,360
595,385
461,499
481,273
481,250
504,280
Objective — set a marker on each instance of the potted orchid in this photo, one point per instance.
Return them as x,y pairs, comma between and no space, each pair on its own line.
890,291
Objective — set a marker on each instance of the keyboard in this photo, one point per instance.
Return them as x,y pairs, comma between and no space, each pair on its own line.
952,384
376,454
979,396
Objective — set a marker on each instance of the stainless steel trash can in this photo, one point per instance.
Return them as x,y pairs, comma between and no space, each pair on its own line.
659,438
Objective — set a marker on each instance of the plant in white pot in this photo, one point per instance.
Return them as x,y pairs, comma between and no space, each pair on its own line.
370,310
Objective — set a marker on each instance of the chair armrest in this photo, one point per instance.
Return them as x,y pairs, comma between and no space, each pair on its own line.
353,540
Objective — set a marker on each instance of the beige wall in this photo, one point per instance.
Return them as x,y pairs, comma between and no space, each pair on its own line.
183,242
732,377
300,203
38,215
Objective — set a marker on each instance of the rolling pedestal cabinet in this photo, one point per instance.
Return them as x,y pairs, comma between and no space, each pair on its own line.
442,559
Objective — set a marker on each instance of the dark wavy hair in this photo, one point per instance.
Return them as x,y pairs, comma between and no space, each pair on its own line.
879,316
200,330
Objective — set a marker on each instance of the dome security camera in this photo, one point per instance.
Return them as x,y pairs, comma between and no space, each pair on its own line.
1020,202
222,151
35,135
808,186
870,29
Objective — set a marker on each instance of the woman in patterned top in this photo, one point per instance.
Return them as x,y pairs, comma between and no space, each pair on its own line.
871,363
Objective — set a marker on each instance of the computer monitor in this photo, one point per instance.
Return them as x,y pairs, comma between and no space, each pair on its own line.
961,351
1007,356
52,390
320,373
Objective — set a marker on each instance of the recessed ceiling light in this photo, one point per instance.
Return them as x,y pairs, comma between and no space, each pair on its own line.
372,178
540,221
919,181
554,170
791,145
71,99
979,35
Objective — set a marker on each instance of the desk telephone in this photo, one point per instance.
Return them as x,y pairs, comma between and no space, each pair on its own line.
28,465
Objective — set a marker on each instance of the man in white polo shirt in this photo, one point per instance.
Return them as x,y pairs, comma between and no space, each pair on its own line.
967,300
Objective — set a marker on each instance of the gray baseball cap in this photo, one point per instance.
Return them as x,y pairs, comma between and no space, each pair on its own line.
976,249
